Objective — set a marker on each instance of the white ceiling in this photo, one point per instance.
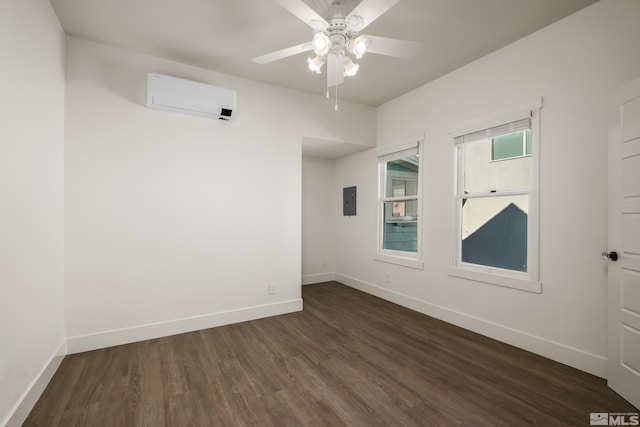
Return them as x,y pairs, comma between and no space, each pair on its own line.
223,35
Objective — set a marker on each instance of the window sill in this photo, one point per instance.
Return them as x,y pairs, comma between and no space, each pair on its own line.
494,279
404,262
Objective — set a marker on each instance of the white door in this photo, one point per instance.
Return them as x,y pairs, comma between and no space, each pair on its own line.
624,238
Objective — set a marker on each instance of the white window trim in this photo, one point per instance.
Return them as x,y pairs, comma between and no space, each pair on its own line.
528,281
405,259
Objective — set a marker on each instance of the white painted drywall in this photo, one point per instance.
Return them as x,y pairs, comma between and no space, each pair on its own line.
31,198
573,64
172,217
318,199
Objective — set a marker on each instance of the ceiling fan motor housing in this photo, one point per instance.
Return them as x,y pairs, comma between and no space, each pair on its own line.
340,34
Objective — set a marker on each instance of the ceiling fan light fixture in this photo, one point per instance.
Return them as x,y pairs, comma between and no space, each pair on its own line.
358,46
337,40
350,68
320,43
316,64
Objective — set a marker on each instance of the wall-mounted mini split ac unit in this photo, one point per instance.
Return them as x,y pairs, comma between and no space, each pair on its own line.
170,93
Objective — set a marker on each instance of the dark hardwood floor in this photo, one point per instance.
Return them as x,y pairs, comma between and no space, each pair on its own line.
348,359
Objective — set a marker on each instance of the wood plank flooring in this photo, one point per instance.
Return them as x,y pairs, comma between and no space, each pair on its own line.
349,359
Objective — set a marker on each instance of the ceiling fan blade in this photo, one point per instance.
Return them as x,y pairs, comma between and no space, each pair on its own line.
335,71
304,13
369,10
393,47
283,53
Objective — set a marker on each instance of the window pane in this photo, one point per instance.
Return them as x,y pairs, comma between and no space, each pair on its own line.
504,147
402,177
494,232
399,187
481,175
398,209
401,226
412,188
406,210
528,138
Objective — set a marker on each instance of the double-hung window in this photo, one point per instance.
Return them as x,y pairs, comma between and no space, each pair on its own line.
399,204
497,200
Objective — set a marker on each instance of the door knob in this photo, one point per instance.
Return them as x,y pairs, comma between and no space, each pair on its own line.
613,255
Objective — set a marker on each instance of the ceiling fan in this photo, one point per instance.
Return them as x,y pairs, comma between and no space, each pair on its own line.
337,40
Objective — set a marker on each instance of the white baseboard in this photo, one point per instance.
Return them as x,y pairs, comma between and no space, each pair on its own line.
27,401
111,338
77,344
311,279
574,357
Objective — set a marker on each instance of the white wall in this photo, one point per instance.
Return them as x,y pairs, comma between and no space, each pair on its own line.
31,202
573,64
318,198
176,222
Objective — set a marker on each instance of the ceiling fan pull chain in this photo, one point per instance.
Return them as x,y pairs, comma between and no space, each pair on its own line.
327,81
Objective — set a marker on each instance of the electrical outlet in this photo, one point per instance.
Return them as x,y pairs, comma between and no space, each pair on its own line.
324,263
272,288
387,277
